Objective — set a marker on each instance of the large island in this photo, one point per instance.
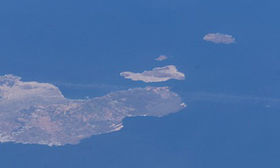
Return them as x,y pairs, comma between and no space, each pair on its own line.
38,113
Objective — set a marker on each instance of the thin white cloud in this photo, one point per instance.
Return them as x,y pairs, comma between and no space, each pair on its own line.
161,58
158,74
38,113
87,85
219,38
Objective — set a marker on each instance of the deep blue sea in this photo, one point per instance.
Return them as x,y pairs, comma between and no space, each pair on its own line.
82,46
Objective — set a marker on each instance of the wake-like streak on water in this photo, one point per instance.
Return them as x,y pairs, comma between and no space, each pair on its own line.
222,98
